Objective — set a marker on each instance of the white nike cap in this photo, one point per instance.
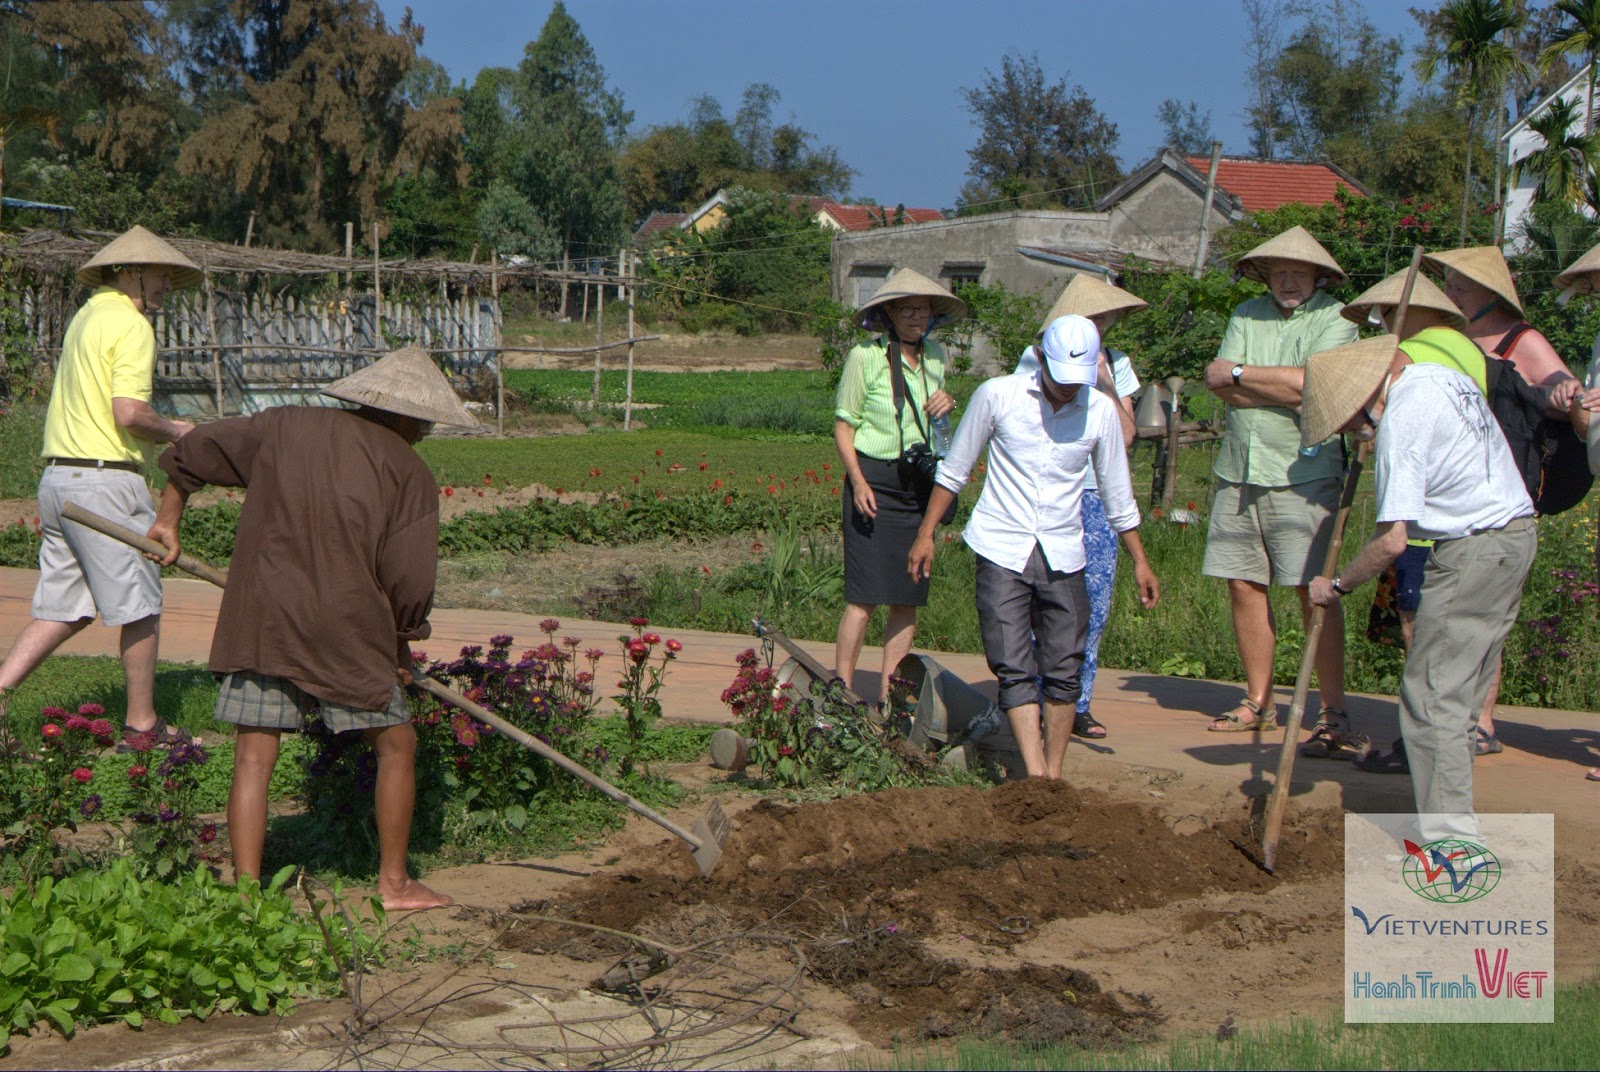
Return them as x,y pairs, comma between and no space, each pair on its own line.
1071,350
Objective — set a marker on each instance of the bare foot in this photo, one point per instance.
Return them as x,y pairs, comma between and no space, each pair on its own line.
412,895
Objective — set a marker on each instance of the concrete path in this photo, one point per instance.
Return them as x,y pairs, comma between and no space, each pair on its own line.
1155,722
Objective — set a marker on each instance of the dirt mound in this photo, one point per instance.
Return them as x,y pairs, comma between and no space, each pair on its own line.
866,881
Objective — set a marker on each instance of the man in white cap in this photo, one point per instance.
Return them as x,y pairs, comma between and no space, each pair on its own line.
332,578
98,430
1443,472
1274,503
1044,433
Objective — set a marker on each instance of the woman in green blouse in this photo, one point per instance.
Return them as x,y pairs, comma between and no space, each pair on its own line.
887,496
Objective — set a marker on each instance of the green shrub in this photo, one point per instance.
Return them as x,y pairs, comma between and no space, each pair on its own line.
108,945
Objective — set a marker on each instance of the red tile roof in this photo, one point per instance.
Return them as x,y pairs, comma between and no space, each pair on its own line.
862,217
1262,185
659,221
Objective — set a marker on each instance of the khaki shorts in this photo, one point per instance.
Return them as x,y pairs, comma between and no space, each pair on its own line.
1270,535
263,702
82,572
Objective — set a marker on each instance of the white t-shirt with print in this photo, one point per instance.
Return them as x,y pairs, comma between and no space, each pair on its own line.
1442,463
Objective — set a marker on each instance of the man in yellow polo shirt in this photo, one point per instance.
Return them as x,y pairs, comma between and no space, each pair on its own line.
98,430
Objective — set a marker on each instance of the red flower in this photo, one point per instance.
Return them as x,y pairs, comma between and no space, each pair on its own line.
658,454
651,638
487,480
638,623
138,771
755,546
449,492
594,472
50,729
772,489
674,646
727,500
785,750
208,833
706,570
1191,506
550,625
827,465
705,465
82,774
635,479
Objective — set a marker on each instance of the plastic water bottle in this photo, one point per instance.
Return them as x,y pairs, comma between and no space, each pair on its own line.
939,435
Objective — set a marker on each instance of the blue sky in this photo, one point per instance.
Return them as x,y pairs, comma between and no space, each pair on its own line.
880,80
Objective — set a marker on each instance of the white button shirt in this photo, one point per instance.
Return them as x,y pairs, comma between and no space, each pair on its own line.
1038,459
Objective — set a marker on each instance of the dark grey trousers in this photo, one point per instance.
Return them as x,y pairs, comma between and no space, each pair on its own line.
1035,625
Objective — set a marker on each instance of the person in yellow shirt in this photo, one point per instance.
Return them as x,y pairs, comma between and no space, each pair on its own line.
98,431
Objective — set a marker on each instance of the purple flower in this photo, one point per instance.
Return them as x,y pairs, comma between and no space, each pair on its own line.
90,805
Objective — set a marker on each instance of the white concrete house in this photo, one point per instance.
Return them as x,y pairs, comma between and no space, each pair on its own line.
1520,141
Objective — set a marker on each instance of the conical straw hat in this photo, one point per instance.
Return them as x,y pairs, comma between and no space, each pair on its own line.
1295,244
1089,295
1386,295
406,382
139,246
1339,382
1485,266
910,283
1577,279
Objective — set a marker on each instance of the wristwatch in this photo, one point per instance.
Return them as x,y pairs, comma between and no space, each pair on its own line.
1341,589
1238,370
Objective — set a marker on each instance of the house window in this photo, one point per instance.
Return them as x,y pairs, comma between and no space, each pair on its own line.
866,279
961,273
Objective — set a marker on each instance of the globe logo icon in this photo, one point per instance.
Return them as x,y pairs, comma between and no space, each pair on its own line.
1450,871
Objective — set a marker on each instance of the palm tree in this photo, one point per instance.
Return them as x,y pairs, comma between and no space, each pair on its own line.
1580,36
1471,48
1564,164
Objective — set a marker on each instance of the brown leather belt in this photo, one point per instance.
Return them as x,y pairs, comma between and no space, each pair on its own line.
95,463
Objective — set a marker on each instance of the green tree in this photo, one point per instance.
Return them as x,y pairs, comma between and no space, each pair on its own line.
1468,39
1336,78
1040,143
566,127
1184,127
1579,35
324,129
1563,164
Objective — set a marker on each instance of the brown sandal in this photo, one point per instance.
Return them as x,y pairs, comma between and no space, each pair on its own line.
1232,722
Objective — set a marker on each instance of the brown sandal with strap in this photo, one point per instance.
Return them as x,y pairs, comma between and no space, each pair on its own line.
1232,722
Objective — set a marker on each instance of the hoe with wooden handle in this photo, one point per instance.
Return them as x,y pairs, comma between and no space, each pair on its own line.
706,839
1279,800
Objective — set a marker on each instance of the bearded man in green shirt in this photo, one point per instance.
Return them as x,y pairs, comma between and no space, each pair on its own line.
1271,516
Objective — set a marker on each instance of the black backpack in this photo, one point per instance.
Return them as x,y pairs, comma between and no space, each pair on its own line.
1552,459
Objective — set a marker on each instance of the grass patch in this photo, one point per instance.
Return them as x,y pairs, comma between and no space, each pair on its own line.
21,433
1318,1044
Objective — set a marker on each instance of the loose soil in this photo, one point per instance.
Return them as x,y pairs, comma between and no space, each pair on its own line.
925,912
680,353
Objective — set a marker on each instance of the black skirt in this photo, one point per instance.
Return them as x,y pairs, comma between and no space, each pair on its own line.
876,549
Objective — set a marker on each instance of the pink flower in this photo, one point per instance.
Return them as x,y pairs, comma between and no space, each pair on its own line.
138,771
674,646
785,750
82,775
549,625
50,729
594,655
651,638
77,722
91,710
100,727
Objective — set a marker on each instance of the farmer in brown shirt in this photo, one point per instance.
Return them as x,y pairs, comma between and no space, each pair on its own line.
332,576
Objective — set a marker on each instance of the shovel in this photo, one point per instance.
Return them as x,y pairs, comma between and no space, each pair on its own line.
706,839
1279,800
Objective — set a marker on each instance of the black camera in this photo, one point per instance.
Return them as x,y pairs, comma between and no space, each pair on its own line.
918,464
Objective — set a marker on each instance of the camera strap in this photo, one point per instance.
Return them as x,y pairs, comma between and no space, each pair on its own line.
897,380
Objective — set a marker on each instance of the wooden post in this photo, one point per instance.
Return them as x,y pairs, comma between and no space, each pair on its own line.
216,343
250,229
377,292
626,258
1205,212
499,355
599,330
566,266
